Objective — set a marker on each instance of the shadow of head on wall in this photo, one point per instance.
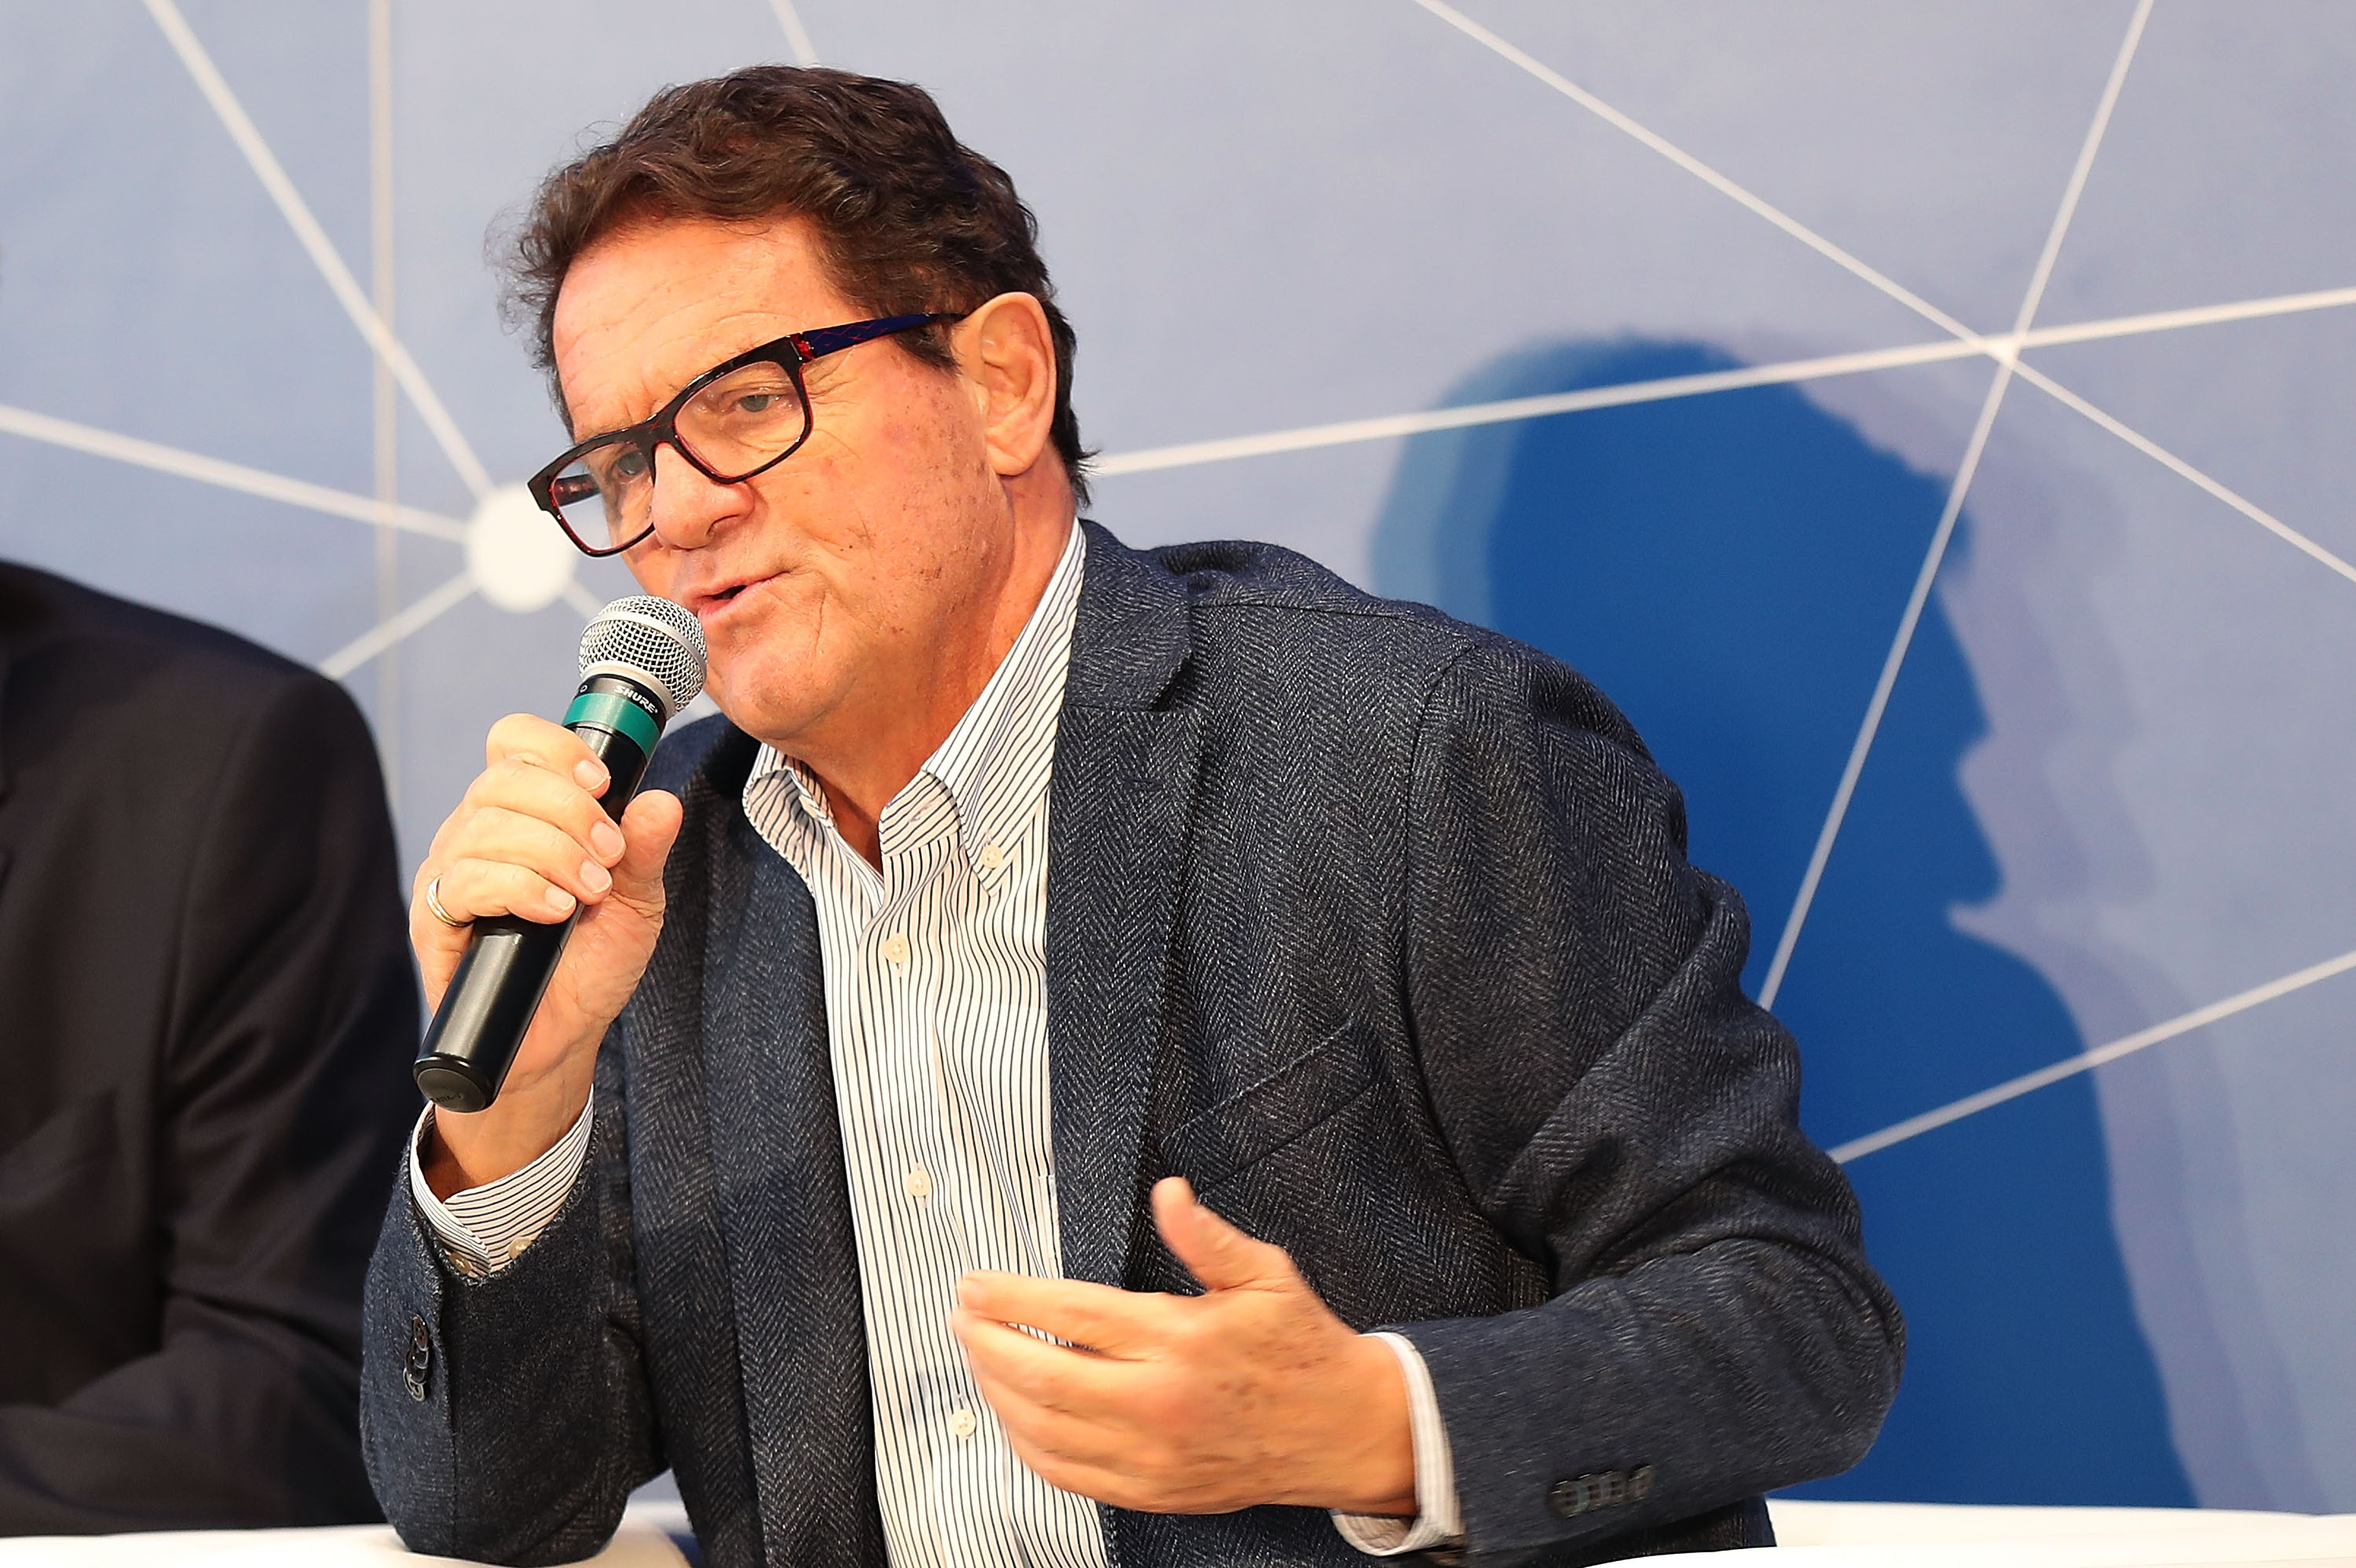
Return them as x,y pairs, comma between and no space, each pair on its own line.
1731,569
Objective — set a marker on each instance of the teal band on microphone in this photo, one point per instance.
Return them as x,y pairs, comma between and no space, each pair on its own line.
612,710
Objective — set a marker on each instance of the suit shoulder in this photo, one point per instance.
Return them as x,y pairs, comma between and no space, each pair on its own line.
1249,589
1262,601
74,641
1247,574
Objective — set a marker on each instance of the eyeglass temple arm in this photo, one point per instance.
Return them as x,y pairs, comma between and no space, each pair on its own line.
834,340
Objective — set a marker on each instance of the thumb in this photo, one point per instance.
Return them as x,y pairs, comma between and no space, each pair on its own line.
649,824
1214,1252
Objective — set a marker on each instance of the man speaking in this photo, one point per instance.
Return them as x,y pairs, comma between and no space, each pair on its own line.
1098,1056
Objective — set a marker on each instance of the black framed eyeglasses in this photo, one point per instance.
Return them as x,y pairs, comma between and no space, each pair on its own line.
740,418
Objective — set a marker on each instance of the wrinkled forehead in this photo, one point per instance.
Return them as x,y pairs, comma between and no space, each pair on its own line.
651,306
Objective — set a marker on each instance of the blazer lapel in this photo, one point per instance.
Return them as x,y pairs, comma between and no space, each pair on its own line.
1119,812
785,1210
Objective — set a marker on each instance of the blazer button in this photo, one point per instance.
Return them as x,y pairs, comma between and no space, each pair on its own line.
420,1366
1572,1497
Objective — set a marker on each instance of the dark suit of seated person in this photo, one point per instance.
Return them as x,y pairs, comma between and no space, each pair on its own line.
1028,879
206,1009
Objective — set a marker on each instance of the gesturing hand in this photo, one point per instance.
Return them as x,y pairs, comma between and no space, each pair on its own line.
1251,1392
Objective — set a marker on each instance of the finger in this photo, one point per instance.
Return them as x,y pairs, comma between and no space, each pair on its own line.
1113,1441
470,890
517,784
1118,1481
528,738
438,945
476,890
500,836
1092,1481
1068,1438
1054,1376
649,827
1096,1316
1212,1251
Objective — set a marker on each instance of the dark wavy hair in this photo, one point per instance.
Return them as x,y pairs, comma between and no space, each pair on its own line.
908,219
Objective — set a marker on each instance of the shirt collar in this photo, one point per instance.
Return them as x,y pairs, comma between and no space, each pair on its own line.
995,762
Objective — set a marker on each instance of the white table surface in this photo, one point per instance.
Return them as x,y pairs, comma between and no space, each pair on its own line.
643,1542
1939,1535
1813,1535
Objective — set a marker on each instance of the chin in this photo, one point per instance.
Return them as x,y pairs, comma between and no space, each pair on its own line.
767,696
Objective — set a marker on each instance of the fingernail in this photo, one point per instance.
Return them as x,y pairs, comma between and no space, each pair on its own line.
594,877
606,839
560,901
591,774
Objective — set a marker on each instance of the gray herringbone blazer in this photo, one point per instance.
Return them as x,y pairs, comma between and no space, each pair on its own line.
1377,926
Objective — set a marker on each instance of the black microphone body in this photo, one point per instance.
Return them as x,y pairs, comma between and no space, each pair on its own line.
492,997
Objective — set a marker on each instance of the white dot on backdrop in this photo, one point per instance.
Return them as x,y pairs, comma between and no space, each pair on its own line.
519,559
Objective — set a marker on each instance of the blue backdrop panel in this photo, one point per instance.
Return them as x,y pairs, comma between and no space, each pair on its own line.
2007,677
1726,566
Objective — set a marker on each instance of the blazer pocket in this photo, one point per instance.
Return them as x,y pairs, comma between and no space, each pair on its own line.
1262,1117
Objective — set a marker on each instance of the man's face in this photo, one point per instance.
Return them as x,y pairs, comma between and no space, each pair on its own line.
855,568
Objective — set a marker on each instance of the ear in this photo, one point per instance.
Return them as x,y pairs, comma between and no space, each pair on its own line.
1009,359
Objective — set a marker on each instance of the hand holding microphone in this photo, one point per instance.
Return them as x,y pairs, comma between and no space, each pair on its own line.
551,866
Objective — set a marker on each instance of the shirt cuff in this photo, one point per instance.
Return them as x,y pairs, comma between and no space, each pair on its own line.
485,1228
1438,1522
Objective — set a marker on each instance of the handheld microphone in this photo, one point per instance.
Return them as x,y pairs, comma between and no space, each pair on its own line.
641,661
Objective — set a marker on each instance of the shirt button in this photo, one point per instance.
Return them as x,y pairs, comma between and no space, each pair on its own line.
918,1181
961,1422
895,949
992,857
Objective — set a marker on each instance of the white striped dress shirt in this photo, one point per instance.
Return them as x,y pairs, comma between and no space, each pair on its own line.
935,989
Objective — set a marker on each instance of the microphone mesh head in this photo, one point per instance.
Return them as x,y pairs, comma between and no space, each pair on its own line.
653,638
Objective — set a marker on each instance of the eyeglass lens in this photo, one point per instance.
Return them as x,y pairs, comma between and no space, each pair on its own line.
734,427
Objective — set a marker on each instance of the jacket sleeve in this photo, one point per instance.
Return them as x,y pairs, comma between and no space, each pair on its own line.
1624,1114
507,1418
281,1095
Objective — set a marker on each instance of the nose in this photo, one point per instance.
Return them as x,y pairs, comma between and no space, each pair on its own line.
688,508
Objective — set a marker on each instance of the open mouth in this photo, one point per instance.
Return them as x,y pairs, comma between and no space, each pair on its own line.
719,599
715,599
